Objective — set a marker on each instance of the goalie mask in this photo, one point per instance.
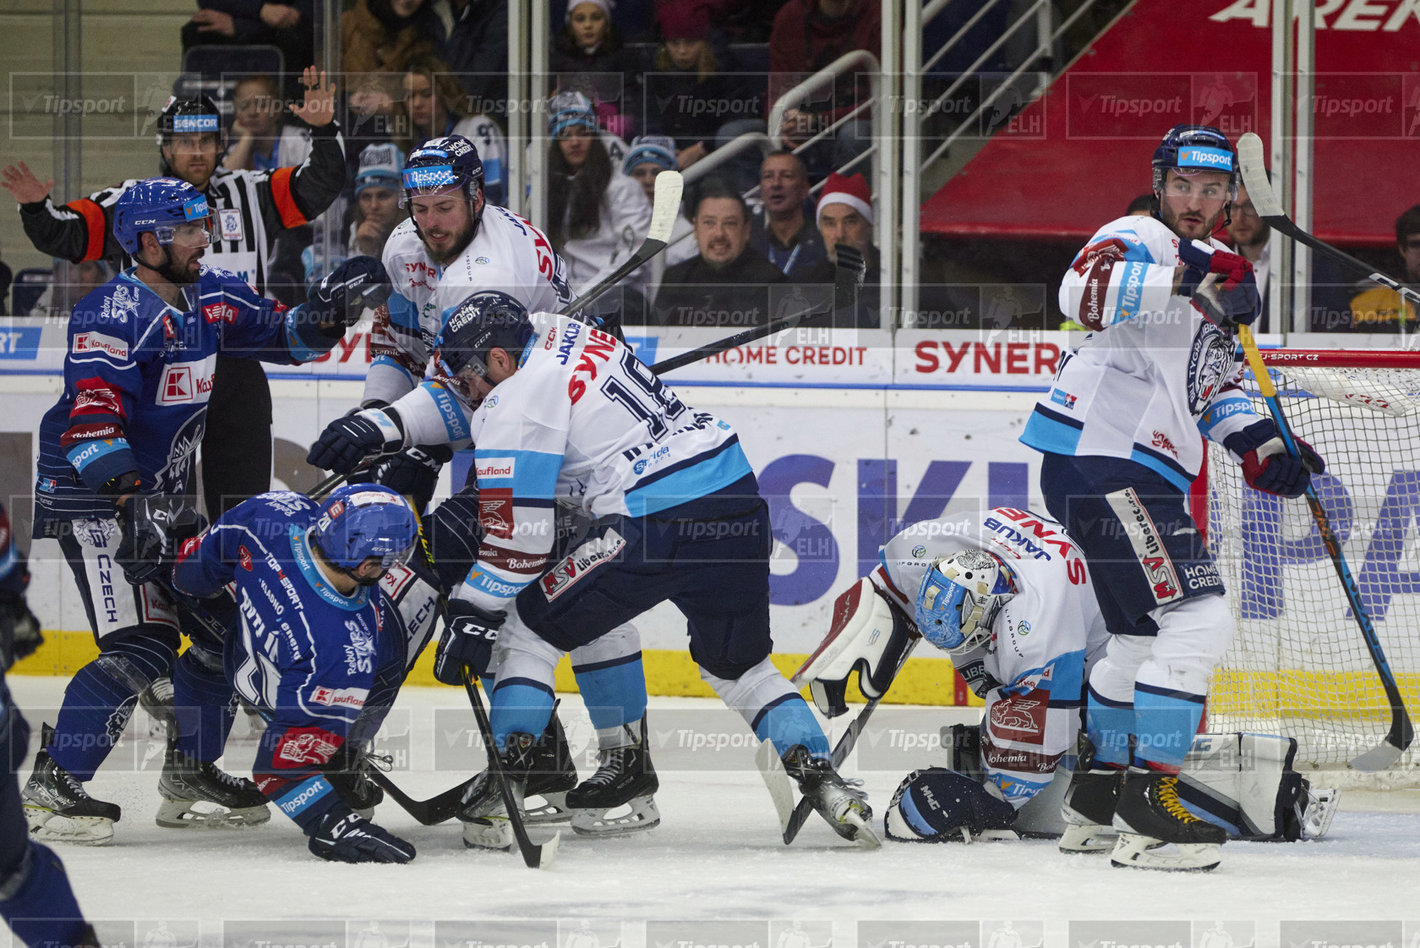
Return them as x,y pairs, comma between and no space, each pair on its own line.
960,597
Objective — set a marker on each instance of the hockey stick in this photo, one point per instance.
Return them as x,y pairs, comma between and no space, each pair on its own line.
664,209
1401,732
847,278
1254,174
535,855
437,809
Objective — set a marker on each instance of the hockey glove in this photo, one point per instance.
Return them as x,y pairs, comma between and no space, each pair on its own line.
352,838
153,527
20,633
415,472
358,284
1266,464
1231,298
350,439
454,533
468,640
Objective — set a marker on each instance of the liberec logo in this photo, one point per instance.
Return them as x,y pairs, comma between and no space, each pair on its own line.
434,177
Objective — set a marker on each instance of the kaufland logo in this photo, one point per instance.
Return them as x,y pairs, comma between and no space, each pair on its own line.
494,467
98,342
185,383
1206,158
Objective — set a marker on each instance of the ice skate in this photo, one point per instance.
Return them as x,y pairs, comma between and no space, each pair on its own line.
838,801
624,779
1157,831
552,776
198,793
484,816
57,807
1088,809
157,702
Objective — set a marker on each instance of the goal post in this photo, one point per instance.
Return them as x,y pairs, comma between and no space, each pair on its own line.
1298,665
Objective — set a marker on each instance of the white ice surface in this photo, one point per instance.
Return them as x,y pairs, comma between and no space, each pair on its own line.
716,856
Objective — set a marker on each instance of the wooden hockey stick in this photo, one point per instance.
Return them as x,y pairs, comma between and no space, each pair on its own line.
665,207
1269,208
847,278
535,855
1401,732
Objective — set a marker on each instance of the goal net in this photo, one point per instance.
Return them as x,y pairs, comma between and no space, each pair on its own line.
1299,665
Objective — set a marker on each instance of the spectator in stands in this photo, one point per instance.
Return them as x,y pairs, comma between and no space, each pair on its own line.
783,231
261,139
1252,236
809,35
287,26
477,52
596,218
647,157
1141,206
378,38
433,103
589,57
377,193
728,282
1379,309
845,216
69,283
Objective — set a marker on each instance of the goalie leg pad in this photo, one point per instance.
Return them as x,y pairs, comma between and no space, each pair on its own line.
936,805
866,636
1245,783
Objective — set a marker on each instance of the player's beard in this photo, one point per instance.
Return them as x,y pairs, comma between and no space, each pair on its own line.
171,273
459,245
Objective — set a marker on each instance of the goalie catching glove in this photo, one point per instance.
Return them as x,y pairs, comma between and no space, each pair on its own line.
866,636
1266,463
936,805
1220,284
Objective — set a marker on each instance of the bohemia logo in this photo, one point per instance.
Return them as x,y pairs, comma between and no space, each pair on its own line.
220,313
181,384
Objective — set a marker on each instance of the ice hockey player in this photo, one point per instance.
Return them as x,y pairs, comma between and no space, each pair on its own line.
251,211
36,899
1119,430
307,589
116,454
568,413
1006,594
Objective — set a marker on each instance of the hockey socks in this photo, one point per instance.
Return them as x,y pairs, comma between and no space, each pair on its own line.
614,691
100,700
205,706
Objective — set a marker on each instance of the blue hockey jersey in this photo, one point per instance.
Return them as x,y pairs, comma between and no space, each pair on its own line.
137,379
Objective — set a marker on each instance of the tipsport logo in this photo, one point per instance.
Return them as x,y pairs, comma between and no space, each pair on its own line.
435,177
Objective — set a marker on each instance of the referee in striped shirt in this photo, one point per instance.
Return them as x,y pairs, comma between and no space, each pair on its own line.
249,209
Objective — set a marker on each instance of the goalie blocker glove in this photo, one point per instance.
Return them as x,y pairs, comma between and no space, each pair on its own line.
1231,298
349,440
1266,463
153,527
352,838
468,641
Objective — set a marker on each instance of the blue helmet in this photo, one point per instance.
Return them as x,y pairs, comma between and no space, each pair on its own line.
359,521
158,205
960,597
1189,149
443,163
487,320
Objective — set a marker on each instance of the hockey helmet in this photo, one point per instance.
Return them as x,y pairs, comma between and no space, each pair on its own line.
1189,149
359,521
189,117
960,598
487,320
442,164
159,205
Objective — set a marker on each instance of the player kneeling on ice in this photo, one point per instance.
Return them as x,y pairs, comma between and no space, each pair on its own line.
307,594
1006,594
566,413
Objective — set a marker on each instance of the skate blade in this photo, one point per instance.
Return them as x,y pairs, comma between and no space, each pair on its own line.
1088,838
641,815
553,810
1145,852
1321,807
49,827
494,833
186,814
860,831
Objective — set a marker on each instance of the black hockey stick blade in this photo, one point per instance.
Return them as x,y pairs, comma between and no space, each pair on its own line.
1402,732
535,855
321,490
1254,175
437,809
664,209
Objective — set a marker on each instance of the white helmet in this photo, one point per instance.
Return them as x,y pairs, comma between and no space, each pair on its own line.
960,598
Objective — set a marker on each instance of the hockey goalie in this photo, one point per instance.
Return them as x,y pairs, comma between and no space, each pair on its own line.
1007,595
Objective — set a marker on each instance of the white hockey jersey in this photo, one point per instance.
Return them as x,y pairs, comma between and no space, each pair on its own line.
507,253
1031,673
581,423
1153,374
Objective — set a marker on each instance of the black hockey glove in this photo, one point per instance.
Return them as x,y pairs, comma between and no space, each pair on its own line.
20,633
350,439
415,472
352,838
454,532
1231,298
358,284
468,640
1266,463
153,527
